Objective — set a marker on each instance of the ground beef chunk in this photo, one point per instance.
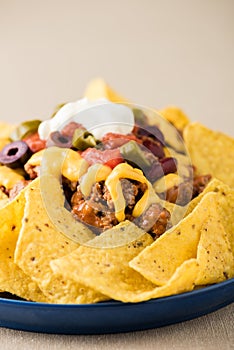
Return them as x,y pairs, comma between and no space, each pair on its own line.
199,184
155,220
89,215
93,213
4,190
32,171
94,210
77,197
97,199
187,190
130,191
98,209
69,188
181,194
100,199
107,196
18,187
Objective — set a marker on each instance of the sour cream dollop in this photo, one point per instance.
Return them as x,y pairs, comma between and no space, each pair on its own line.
98,117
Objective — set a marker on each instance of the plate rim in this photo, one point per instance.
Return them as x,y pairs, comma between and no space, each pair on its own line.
116,303
114,316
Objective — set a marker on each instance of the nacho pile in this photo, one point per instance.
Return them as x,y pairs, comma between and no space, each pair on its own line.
75,230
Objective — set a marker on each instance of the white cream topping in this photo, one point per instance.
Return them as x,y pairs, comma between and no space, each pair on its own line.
98,117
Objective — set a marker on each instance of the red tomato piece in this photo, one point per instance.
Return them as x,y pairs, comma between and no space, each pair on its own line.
113,136
34,142
110,157
112,140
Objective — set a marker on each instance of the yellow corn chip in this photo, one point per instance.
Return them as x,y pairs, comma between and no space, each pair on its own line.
61,217
12,278
9,177
5,130
3,142
172,137
98,88
159,261
177,212
175,116
214,185
214,254
183,280
225,205
225,208
211,152
107,270
39,242
111,274
3,199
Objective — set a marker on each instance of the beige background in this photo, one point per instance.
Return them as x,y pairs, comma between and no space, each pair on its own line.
155,53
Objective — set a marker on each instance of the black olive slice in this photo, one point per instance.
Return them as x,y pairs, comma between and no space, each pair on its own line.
15,154
59,140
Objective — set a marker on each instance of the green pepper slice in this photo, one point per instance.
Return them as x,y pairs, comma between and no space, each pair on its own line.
25,129
82,139
139,116
132,153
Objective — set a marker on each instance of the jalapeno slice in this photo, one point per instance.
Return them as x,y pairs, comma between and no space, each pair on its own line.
139,116
25,129
82,139
132,153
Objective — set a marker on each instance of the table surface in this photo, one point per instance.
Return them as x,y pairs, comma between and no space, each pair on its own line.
155,53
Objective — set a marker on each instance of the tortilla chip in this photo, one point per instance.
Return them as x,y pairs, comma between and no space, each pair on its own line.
2,195
172,136
225,205
177,212
5,130
159,261
98,88
119,235
39,242
61,217
214,253
107,269
111,273
12,278
211,152
175,116
214,185
183,280
3,142
3,199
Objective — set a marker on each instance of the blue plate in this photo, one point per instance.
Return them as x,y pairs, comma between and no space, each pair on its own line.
114,317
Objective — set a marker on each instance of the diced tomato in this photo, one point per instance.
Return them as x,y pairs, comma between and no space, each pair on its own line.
110,157
34,142
113,136
70,128
112,140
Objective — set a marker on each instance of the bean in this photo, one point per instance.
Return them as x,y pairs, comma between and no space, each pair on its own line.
151,131
155,147
169,165
161,168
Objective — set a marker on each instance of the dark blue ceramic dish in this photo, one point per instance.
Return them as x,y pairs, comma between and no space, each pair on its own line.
114,317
